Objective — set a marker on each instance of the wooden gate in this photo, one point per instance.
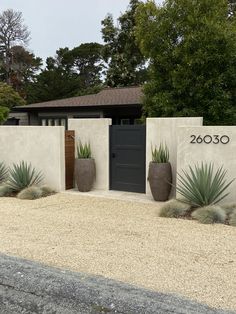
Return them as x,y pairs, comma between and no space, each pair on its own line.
69,158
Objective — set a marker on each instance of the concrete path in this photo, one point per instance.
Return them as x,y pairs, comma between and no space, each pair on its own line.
28,287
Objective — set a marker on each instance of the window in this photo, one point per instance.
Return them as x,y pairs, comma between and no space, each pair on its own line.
54,121
124,121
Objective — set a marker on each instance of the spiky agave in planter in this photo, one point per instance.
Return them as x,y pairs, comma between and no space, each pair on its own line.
160,173
85,170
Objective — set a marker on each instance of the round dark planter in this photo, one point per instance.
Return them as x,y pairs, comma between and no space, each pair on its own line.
85,172
160,179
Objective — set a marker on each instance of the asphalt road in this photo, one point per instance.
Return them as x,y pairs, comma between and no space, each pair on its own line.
29,288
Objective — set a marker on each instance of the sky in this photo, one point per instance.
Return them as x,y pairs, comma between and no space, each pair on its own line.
63,23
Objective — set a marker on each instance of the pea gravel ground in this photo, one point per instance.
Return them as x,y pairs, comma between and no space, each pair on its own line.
126,241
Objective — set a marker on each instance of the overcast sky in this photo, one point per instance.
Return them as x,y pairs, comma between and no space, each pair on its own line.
63,23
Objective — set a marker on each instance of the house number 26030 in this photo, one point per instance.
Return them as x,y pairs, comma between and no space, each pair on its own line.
208,139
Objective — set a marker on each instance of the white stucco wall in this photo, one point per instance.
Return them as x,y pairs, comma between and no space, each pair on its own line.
165,130
96,132
43,147
220,154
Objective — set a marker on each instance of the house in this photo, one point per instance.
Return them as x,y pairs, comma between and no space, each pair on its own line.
122,105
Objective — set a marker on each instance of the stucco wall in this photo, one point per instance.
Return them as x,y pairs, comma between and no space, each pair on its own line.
220,154
96,132
165,130
42,146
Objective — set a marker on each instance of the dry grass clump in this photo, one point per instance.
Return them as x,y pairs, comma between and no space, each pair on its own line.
209,214
229,208
232,218
46,191
174,209
30,193
5,190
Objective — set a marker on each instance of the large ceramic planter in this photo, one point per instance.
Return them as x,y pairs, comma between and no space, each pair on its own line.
160,179
85,173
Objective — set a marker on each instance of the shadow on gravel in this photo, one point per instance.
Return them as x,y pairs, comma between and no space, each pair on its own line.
27,287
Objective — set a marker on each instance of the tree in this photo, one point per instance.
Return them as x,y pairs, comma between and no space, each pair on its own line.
126,64
24,67
12,33
192,50
70,73
232,7
8,99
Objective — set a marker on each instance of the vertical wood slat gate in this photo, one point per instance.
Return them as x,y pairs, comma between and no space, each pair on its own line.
69,158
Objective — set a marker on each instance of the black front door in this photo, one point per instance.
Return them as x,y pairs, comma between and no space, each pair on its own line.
127,158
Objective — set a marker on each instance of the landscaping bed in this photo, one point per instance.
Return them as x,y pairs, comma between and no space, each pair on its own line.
126,241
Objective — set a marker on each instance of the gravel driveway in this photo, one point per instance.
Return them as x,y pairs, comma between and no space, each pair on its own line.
125,241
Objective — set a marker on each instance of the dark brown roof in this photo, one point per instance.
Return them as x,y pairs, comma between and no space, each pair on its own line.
106,97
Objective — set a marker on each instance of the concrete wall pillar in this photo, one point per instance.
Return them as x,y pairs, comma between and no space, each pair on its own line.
164,130
96,132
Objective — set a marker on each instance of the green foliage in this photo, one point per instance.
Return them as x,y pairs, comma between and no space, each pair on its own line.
5,190
192,52
209,215
3,172
126,64
8,99
46,191
160,155
174,209
70,73
83,151
202,185
30,193
232,219
3,114
22,176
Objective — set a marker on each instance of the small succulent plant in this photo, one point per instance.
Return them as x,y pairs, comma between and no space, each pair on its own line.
83,150
22,175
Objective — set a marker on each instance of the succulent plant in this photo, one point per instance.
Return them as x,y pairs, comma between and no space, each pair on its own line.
209,215
22,175
174,209
30,193
160,155
202,185
3,172
83,151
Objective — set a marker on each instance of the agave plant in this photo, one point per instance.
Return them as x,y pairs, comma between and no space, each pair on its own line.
3,172
202,185
160,155
83,151
22,175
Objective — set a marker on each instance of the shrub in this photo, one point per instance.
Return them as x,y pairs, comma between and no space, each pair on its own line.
174,209
83,151
5,190
46,191
160,155
232,219
209,215
22,175
229,208
30,193
3,172
203,186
